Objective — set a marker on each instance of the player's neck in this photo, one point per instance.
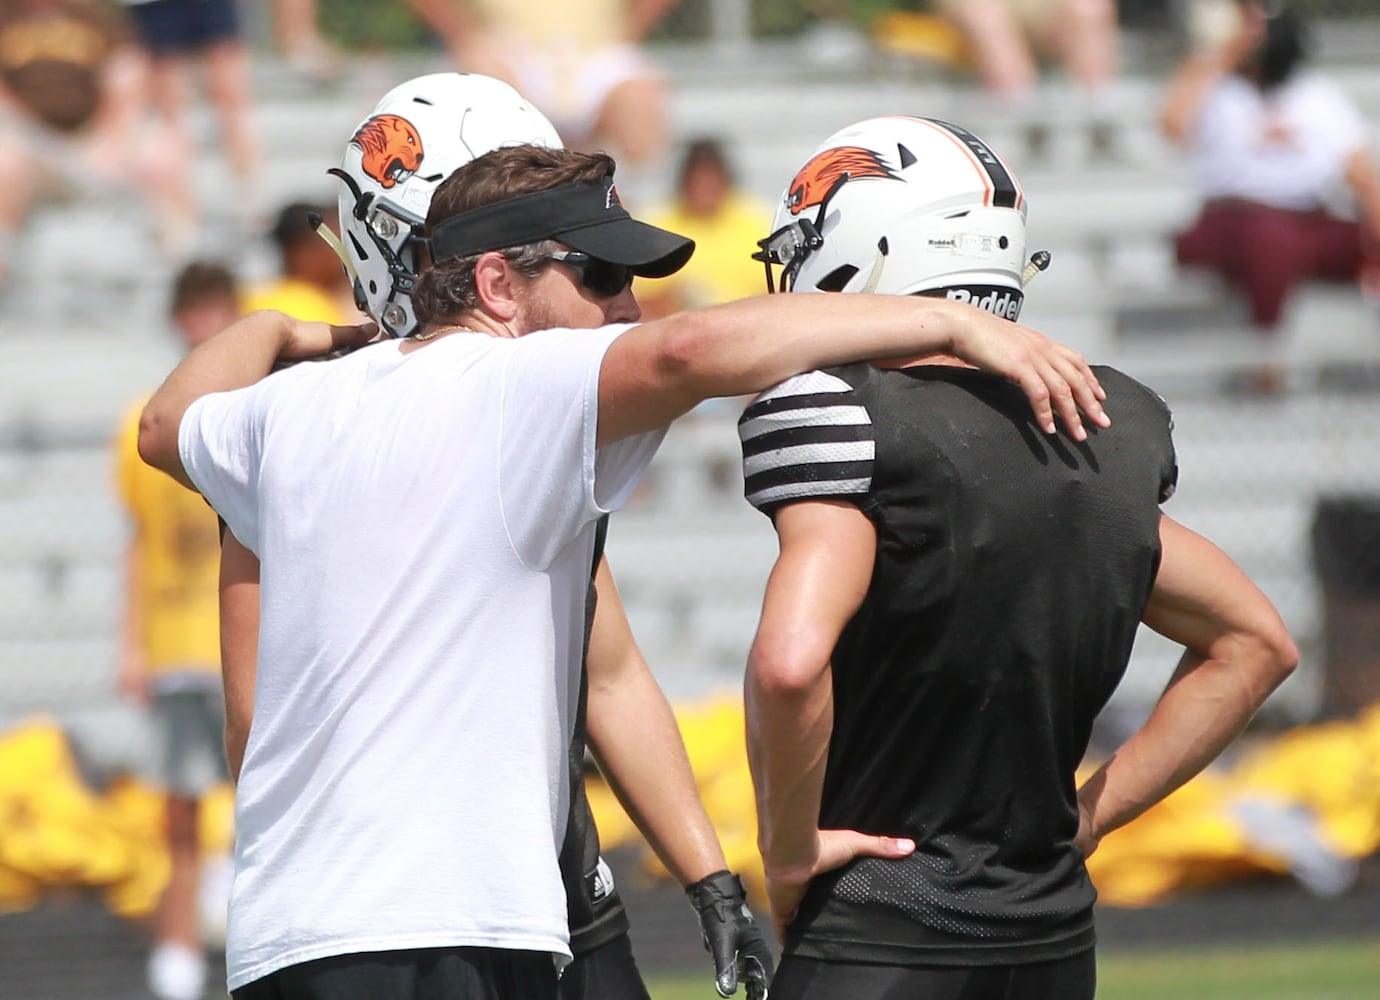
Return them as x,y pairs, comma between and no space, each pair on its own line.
923,359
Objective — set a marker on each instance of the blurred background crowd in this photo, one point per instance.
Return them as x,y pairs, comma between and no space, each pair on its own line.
1203,173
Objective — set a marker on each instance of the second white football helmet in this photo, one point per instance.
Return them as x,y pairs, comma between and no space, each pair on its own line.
903,206
416,136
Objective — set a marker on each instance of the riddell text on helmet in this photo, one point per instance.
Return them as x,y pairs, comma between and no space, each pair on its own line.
1004,302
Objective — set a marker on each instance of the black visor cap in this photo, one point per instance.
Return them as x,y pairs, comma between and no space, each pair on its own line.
585,217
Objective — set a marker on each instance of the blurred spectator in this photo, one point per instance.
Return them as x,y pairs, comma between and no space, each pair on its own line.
184,39
300,40
581,65
725,224
69,103
312,284
1273,145
170,646
1004,37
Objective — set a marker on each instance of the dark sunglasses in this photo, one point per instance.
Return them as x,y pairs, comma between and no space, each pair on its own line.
602,277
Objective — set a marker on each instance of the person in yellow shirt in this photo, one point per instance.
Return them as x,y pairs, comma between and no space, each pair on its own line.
170,643
313,286
725,224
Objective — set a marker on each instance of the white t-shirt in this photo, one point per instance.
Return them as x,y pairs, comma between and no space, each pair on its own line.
425,523
1287,148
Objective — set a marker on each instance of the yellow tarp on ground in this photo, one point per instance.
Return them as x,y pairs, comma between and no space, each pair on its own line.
1194,838
56,833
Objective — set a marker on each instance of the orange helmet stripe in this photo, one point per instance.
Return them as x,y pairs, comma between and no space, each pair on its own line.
814,180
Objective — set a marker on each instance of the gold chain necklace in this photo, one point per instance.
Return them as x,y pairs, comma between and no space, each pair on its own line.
457,328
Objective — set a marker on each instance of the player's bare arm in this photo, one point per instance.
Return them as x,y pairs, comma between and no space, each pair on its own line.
238,356
239,644
1237,651
819,580
133,671
658,371
633,734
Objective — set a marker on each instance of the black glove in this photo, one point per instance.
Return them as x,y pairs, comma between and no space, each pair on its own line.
731,936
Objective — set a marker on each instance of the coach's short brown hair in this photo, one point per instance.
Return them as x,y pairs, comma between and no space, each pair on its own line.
447,288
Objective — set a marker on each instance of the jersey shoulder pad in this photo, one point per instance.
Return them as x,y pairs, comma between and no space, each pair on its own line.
807,438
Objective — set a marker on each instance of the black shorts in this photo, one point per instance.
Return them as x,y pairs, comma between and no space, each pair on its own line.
608,972
1067,979
413,974
170,27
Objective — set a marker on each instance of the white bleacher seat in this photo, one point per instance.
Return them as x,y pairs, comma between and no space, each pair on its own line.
1110,210
44,673
58,472
657,623
690,556
70,529
1074,280
1252,530
1331,322
79,382
52,600
725,625
660,555
1090,331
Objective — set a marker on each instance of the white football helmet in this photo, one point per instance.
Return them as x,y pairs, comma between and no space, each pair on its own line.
903,206
416,136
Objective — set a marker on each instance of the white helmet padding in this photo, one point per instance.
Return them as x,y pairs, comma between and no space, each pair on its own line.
416,137
903,206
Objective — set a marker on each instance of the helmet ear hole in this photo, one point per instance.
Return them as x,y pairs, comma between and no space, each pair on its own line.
837,279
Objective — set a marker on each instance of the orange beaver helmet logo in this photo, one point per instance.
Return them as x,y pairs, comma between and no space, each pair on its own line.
815,180
392,149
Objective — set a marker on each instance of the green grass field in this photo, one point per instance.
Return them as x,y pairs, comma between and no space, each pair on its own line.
1335,970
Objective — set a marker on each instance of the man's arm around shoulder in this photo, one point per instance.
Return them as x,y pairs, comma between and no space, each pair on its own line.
634,736
238,356
655,372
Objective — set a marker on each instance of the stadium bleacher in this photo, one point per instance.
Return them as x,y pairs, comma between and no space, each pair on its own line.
83,334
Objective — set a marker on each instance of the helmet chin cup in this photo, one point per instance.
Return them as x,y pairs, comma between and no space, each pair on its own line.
788,247
791,245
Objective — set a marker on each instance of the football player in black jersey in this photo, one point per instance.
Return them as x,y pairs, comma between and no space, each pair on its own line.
955,599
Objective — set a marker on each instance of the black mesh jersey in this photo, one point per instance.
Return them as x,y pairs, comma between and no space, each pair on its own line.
1011,571
593,905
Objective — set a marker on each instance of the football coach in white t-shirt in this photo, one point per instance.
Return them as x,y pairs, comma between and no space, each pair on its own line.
424,511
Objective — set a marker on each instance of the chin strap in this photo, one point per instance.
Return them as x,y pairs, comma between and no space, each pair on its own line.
873,279
333,241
